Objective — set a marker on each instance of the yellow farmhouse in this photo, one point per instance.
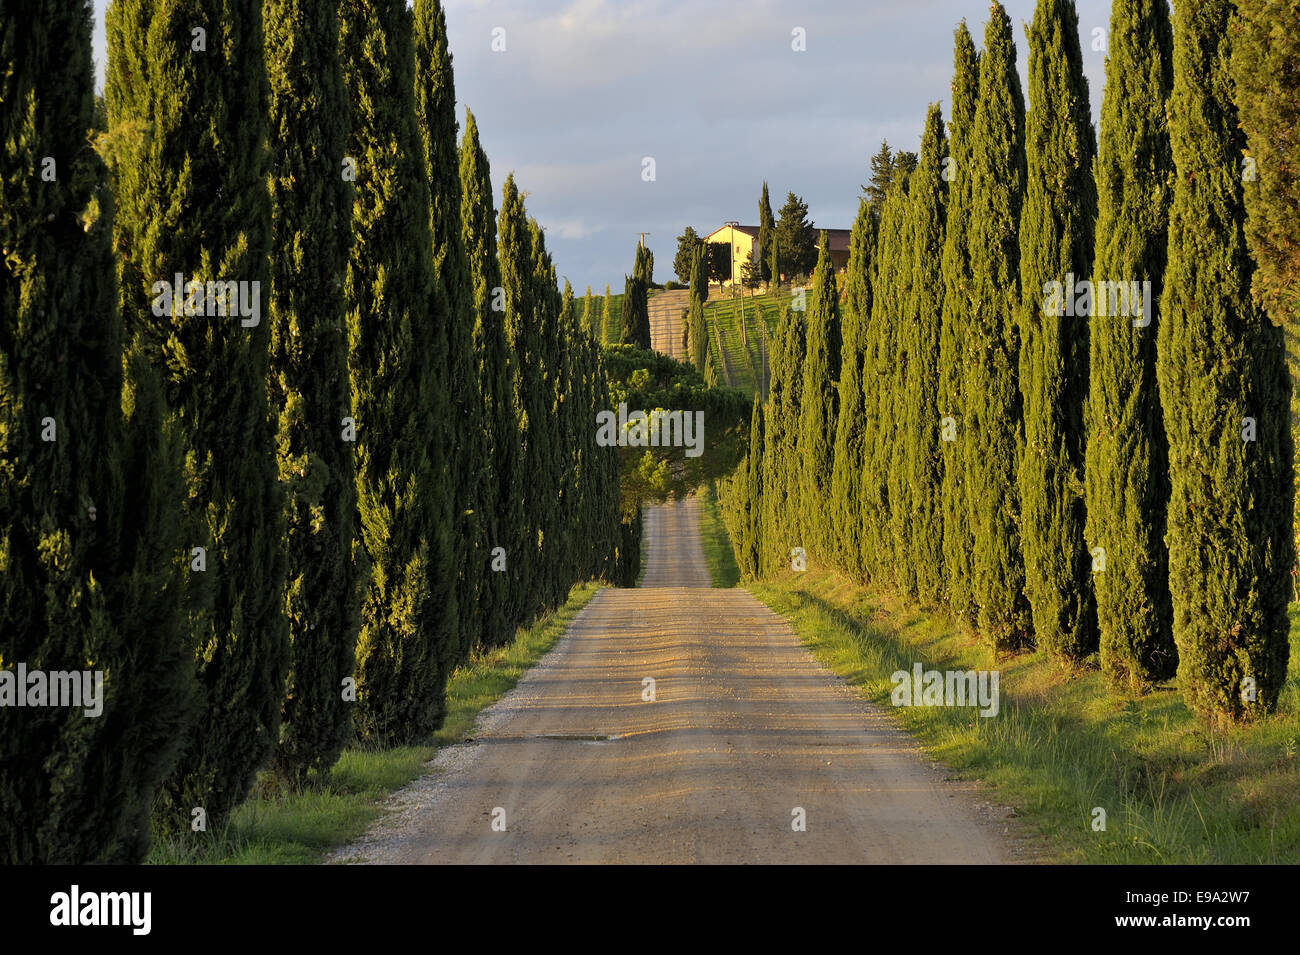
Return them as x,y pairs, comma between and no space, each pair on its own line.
742,238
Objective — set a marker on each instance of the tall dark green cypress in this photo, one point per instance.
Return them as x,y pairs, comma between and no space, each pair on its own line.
523,341
636,317
503,510
955,438
1225,392
696,323
1127,474
766,231
311,205
90,489
993,424
880,398
1266,78
847,467
821,378
397,315
922,465
754,494
1056,243
193,202
771,542
435,110
896,288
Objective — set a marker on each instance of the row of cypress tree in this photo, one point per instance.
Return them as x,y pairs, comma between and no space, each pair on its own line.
271,532
1119,484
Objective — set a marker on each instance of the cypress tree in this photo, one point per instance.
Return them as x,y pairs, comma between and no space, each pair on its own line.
880,397
549,448
769,545
435,109
957,305
754,493
503,513
1056,242
821,376
311,233
607,316
1225,393
922,463
193,201
636,316
697,325
1127,475
588,313
775,267
89,481
896,294
849,454
766,232
523,342
396,310
788,466
993,425
1266,78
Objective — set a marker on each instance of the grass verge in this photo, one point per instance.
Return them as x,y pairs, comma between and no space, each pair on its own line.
716,541
1062,746
278,827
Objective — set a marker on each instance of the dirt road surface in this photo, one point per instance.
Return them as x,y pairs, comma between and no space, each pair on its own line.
746,736
664,309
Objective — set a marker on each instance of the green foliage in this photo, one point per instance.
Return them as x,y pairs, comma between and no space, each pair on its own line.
766,235
397,315
503,511
993,421
1266,80
311,233
795,237
636,314
645,380
192,199
958,294
90,562
821,377
465,447
1127,475
850,447
921,467
1225,393
687,243
1056,241
697,328
881,377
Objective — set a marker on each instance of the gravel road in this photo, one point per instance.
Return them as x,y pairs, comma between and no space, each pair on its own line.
749,752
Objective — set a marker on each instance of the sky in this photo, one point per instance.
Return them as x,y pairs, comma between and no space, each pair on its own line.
715,93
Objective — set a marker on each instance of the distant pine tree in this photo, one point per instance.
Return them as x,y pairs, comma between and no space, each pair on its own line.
1127,476
1225,392
1056,241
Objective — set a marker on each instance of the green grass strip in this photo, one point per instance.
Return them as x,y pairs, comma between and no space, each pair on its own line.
278,827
